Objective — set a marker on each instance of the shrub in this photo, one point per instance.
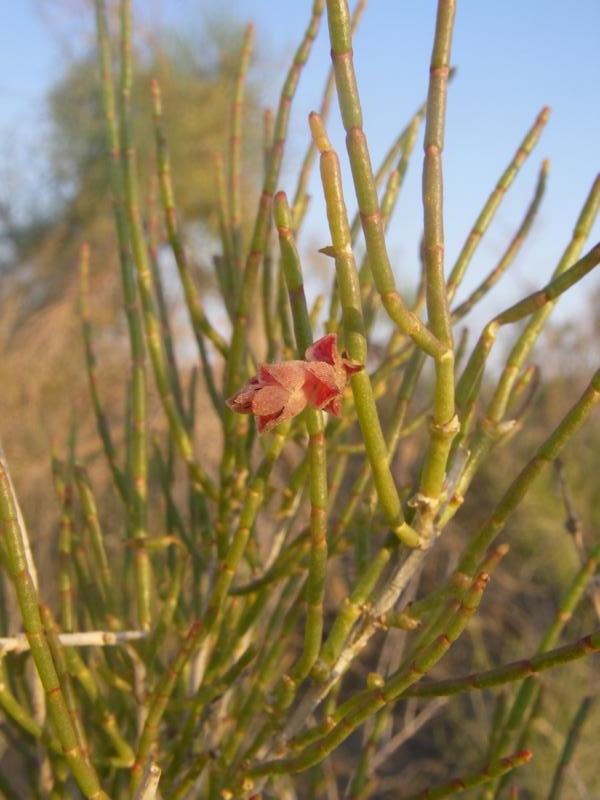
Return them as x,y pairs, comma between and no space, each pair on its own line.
260,612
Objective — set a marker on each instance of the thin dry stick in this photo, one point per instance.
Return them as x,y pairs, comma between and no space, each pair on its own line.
148,788
20,644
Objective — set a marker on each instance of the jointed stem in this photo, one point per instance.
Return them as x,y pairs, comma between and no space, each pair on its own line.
355,336
317,456
27,597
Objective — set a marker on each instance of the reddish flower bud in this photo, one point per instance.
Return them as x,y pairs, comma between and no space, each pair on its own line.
280,391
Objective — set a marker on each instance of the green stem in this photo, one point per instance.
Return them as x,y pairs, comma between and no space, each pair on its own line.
235,148
317,457
90,362
493,202
569,748
365,704
340,35
511,251
27,597
356,343
444,424
490,772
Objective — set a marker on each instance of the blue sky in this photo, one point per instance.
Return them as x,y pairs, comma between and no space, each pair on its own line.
513,57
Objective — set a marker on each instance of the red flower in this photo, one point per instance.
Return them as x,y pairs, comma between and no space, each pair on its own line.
280,391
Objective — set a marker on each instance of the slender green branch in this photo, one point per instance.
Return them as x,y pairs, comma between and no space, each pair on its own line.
493,202
257,245
235,147
27,596
317,457
90,360
198,318
340,35
146,289
347,276
490,772
570,744
511,251
444,423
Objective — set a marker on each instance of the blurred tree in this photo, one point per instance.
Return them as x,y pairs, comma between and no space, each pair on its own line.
40,234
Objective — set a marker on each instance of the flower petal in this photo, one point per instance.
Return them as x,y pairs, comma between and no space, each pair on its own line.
334,406
269,400
295,403
241,401
265,422
324,349
322,383
289,374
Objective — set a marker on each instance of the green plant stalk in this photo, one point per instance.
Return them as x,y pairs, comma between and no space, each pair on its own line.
354,603
271,281
511,251
15,710
269,667
276,639
355,338
398,145
384,619
79,670
529,689
357,787
444,424
317,457
350,611
83,772
257,246
523,346
235,148
137,490
209,693
493,202
233,424
146,290
471,377
186,784
160,699
569,748
92,521
490,772
364,705
282,567
90,360
152,225
200,323
224,263
388,204
200,630
64,492
547,453
136,338
366,192
436,624
92,607
486,433
64,679
167,612
198,318
300,201
514,671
